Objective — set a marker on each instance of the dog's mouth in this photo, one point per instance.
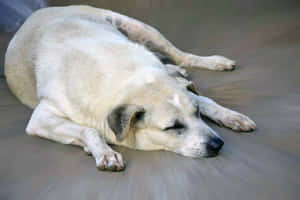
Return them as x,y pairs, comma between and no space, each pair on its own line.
209,154
198,153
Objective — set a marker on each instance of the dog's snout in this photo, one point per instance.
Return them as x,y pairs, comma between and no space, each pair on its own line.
214,144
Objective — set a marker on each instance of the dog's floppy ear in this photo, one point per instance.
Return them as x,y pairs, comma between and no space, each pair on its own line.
122,118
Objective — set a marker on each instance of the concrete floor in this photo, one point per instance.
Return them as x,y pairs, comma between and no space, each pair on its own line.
263,36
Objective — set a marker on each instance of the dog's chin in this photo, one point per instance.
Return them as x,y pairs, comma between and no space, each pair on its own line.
209,154
198,153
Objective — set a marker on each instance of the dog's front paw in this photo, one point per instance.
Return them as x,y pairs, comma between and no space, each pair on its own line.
220,63
236,121
111,161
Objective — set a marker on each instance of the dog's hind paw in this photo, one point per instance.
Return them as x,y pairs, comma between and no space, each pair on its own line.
111,161
220,63
236,121
215,63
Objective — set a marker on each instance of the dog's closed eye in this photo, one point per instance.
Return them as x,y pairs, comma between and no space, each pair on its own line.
176,126
197,112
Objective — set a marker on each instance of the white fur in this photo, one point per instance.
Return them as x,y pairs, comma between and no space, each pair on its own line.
74,68
176,101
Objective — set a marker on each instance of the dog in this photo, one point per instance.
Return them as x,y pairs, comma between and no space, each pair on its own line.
94,77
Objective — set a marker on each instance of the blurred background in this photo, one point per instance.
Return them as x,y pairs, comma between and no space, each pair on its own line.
263,36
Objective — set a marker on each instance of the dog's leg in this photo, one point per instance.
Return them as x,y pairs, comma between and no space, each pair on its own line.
150,37
47,122
224,116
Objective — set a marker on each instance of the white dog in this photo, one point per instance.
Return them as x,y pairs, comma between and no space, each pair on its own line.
91,81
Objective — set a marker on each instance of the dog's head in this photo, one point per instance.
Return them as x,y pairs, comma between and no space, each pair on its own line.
159,114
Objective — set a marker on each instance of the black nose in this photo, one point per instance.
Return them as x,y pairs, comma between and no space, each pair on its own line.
214,144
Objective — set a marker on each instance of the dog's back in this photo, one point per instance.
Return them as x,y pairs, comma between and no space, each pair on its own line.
20,55
56,38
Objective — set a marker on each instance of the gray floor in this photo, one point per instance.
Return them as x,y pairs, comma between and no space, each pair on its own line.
263,36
